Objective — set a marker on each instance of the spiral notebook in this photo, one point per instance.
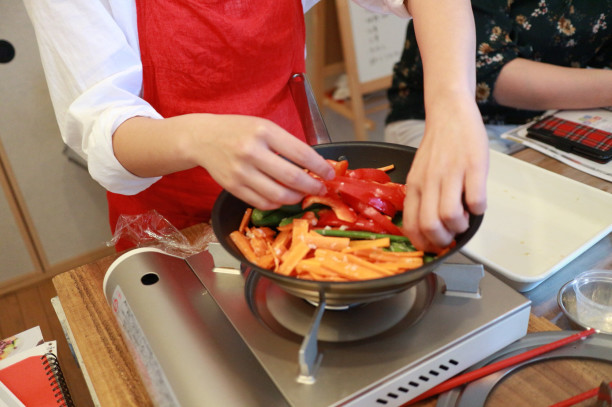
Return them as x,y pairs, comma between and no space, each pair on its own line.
35,381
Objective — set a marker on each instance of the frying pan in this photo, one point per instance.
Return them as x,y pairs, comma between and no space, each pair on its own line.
229,210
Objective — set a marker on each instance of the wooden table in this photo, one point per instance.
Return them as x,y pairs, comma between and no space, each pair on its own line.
114,380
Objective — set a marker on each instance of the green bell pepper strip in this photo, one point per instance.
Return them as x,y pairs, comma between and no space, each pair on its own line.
295,208
428,257
358,234
281,216
401,247
290,218
267,218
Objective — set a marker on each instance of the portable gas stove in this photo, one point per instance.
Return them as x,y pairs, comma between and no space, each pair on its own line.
206,336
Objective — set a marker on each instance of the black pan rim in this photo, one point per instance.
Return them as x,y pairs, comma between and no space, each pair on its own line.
349,286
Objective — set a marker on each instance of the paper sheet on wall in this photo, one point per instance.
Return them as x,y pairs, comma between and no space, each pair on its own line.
379,41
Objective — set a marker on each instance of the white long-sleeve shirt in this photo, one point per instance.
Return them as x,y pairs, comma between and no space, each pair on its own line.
91,58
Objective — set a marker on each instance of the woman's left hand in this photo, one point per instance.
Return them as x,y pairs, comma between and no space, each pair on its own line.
447,180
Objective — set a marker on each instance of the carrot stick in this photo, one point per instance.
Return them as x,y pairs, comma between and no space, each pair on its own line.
285,228
246,218
445,250
316,271
387,168
383,257
402,266
351,271
243,244
326,242
281,243
397,255
275,257
266,261
300,229
369,244
350,260
259,245
379,254
291,258
263,232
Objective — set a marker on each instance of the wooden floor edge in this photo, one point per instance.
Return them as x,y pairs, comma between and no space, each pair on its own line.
32,278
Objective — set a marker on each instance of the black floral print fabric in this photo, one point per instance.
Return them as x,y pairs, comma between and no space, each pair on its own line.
561,32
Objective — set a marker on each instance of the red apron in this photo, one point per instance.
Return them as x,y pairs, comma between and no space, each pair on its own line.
212,56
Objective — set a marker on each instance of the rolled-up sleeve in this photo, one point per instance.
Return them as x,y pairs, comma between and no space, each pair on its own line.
396,7
89,51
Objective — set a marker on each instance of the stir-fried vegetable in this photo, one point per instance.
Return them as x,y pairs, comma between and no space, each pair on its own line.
346,235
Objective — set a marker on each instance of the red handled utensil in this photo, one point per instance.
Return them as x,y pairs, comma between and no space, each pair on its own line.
312,121
603,393
502,364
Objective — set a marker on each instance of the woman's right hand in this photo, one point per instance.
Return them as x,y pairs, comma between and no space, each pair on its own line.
252,158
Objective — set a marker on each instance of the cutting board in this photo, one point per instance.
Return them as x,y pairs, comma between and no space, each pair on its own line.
545,383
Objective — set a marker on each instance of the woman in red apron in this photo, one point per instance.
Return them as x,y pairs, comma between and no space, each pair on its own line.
217,67
217,72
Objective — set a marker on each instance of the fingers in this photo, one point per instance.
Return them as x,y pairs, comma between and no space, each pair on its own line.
283,176
452,213
261,199
476,188
267,168
423,223
433,212
302,155
411,225
289,187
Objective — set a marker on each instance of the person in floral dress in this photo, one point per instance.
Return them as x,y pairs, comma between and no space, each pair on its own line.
531,56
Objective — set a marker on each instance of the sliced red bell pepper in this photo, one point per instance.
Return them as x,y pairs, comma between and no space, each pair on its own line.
329,218
342,210
363,189
381,204
370,174
382,220
311,217
367,225
395,193
340,167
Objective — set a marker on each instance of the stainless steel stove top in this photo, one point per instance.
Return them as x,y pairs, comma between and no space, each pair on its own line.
199,340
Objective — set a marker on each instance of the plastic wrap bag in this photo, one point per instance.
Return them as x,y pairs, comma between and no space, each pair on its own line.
151,229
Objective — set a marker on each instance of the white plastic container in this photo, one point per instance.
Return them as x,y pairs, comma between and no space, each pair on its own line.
593,291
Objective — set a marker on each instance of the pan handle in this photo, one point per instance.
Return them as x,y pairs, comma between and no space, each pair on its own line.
310,115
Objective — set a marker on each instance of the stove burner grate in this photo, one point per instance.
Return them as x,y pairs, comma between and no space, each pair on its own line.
283,312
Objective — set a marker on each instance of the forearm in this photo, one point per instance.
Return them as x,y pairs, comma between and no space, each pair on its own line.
154,147
448,60
526,84
450,166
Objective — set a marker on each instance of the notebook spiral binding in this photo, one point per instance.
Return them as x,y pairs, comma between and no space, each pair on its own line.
57,380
